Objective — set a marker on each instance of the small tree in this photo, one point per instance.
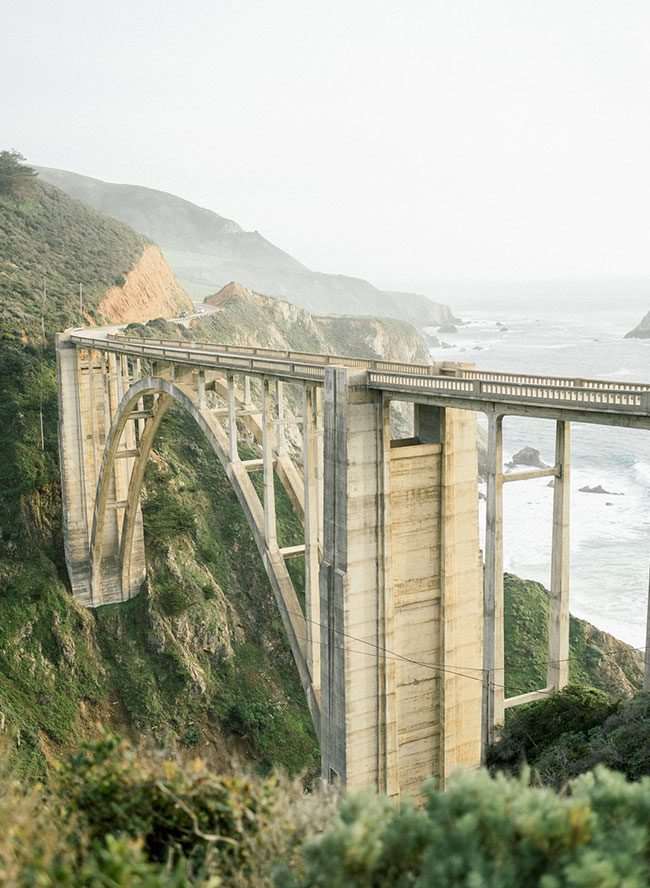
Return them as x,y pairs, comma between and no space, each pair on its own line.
16,178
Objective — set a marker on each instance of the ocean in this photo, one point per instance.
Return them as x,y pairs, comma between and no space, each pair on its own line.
610,533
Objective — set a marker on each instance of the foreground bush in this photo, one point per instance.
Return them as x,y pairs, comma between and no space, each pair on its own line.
118,819
488,833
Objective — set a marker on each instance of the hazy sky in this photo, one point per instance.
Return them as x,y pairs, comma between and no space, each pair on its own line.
401,141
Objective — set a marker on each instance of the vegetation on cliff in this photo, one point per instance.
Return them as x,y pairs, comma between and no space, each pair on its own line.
574,731
115,817
597,659
49,245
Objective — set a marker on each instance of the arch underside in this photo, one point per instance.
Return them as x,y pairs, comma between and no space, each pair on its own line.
120,576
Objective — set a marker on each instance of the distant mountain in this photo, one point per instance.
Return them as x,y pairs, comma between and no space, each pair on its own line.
642,329
207,251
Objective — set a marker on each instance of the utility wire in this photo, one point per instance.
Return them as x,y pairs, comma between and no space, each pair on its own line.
378,650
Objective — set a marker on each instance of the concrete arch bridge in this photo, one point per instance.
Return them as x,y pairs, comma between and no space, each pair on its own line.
399,646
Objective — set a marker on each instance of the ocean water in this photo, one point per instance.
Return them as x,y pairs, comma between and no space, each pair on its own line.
610,534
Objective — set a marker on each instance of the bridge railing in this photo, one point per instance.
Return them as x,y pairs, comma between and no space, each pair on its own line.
260,366
586,397
561,381
300,356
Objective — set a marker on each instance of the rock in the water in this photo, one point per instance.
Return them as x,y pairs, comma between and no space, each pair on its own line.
642,330
448,328
598,488
528,456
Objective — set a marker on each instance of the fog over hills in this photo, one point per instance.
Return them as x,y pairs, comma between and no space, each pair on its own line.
207,250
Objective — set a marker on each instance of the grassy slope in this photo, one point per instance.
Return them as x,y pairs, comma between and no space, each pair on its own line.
597,658
50,236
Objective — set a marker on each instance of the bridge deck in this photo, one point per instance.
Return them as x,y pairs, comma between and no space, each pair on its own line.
609,402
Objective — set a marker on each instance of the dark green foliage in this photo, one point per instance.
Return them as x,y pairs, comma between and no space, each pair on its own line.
574,731
16,178
28,384
485,833
114,818
166,518
531,729
110,789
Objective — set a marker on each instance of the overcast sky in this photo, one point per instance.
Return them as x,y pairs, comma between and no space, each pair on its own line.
401,141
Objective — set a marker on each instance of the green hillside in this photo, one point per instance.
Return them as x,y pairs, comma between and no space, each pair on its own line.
49,245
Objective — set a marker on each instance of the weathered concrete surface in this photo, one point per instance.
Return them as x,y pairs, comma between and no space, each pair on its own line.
392,603
401,602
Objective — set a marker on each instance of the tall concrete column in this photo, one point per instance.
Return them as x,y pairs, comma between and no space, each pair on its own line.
312,592
461,599
558,634
354,746
71,450
268,458
282,430
232,420
493,651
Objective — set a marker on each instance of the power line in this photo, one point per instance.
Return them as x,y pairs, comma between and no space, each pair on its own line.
377,650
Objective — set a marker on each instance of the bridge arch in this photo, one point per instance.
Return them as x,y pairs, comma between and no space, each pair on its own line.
167,394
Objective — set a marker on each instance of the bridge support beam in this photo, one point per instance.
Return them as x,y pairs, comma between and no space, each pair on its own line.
493,650
268,452
90,385
558,630
400,596
312,590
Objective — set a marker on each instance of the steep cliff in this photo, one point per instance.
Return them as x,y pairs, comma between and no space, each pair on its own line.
150,290
246,317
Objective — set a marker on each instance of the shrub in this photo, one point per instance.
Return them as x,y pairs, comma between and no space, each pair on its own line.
234,827
532,729
487,833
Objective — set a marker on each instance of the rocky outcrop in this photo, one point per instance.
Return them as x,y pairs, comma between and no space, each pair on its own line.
528,456
244,316
642,330
598,488
150,290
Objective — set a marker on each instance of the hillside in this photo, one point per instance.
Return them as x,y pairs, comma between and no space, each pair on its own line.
245,317
597,658
206,251
642,330
51,244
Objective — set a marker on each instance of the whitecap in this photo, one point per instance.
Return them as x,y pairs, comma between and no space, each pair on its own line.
642,472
